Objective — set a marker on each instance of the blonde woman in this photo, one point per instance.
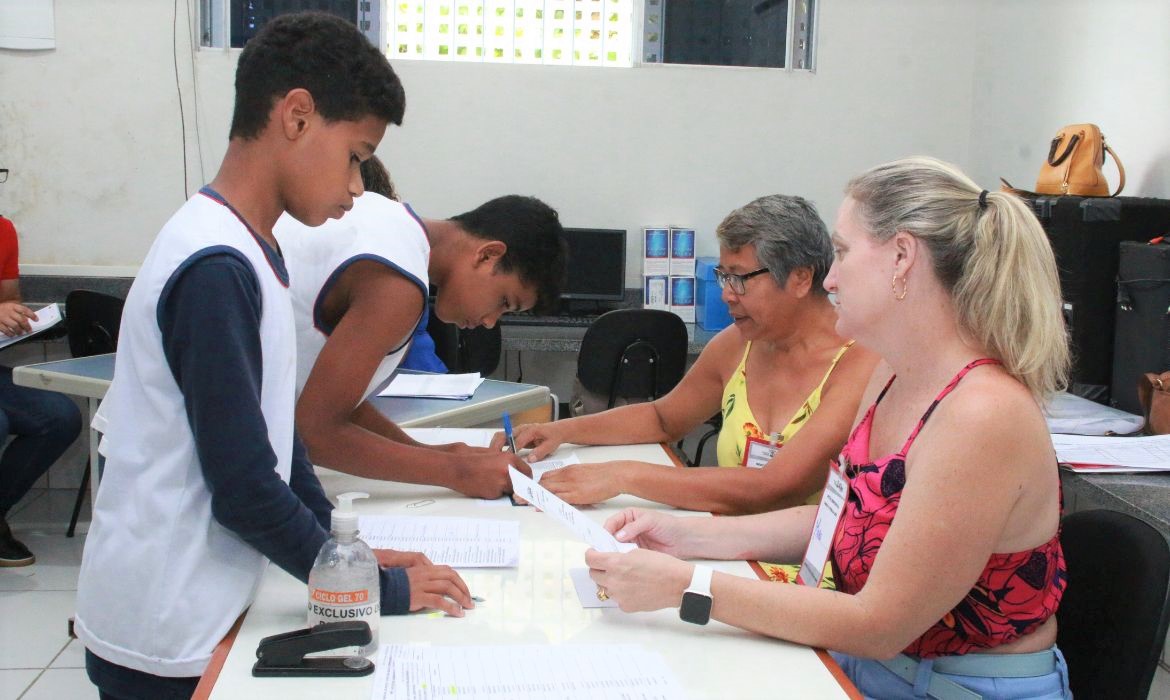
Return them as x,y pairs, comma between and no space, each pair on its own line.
946,557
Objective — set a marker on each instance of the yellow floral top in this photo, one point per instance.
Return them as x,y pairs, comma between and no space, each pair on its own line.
739,424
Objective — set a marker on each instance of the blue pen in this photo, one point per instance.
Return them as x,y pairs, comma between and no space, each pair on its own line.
508,432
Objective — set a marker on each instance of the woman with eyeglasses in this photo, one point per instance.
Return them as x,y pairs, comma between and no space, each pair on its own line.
784,380
944,536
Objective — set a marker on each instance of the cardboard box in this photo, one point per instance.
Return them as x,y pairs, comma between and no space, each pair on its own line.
710,310
656,292
682,252
655,252
682,297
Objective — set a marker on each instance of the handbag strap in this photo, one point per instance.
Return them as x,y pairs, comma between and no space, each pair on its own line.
1072,145
1120,170
1148,383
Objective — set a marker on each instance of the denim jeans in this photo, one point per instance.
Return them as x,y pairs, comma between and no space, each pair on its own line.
876,681
43,425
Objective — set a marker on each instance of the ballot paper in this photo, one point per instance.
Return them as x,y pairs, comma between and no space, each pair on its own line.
47,317
1068,413
587,589
1113,454
458,542
584,527
523,672
433,386
473,437
545,466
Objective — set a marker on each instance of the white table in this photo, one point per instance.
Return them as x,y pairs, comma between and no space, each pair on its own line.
90,377
532,604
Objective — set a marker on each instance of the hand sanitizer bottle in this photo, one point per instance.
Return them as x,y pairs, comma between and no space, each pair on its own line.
344,583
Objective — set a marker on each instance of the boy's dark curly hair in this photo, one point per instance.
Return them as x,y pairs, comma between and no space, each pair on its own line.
535,238
347,76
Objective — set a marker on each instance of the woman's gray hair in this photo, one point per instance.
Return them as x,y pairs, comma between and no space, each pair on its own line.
788,234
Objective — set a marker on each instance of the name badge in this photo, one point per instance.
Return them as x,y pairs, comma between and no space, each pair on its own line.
759,452
816,556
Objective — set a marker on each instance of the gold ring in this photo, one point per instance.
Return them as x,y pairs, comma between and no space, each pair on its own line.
602,594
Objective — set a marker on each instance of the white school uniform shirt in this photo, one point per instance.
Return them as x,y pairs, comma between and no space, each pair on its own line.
376,228
161,580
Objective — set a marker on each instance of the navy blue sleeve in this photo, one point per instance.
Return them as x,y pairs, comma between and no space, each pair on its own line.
210,320
306,485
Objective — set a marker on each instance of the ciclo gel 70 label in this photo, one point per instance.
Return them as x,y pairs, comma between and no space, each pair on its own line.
341,597
337,606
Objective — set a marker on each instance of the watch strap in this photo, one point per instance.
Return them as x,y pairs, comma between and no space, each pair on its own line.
701,580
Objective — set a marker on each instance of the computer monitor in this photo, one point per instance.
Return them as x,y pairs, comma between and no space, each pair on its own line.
597,265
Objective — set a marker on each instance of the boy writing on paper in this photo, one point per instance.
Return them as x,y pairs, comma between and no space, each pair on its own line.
205,480
359,288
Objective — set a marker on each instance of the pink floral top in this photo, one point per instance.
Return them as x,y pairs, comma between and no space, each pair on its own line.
1015,593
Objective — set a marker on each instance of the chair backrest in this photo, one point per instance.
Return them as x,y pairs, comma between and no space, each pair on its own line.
92,320
1112,619
465,350
632,355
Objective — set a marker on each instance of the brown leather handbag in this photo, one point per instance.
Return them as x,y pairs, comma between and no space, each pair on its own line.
1074,164
1154,393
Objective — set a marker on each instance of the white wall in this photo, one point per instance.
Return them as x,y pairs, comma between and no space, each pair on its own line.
92,133
92,130
1046,63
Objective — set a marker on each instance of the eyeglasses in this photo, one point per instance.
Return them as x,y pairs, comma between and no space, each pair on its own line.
736,282
3,175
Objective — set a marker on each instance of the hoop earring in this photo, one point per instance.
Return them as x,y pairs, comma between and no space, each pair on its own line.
894,287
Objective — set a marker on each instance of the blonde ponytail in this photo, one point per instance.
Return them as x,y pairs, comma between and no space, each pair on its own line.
989,252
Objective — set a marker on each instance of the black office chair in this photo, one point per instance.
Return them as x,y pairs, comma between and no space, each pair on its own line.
1112,619
92,320
714,426
629,356
465,350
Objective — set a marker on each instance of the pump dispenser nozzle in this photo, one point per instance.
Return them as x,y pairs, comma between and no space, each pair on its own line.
343,519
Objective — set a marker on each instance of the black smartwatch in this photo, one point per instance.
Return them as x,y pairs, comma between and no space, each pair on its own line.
696,600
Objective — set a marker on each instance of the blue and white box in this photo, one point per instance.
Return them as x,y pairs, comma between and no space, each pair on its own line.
682,252
656,292
655,252
682,297
711,313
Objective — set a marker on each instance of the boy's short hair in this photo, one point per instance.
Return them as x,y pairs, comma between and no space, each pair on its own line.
348,77
535,238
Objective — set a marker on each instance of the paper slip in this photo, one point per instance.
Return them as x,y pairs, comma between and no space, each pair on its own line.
1136,453
523,672
474,437
47,317
433,386
545,466
587,589
458,542
1068,413
585,528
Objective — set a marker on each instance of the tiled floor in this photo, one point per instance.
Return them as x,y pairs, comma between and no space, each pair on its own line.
38,660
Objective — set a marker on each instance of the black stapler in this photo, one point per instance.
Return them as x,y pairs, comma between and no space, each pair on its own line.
284,654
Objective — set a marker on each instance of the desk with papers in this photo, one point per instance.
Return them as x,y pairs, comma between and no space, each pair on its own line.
90,378
516,640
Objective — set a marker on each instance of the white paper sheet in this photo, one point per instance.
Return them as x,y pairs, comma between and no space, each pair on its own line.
587,589
433,386
527,672
475,437
585,528
1068,413
1136,453
544,466
47,317
458,542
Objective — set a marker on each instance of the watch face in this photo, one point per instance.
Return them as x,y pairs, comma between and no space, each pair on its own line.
695,608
